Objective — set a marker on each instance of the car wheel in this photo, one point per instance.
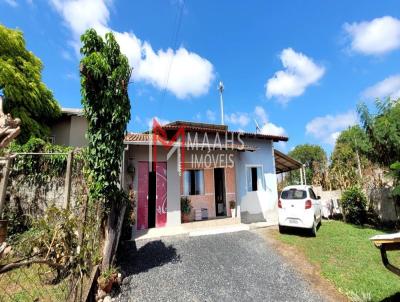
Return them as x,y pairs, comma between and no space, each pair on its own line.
314,229
281,229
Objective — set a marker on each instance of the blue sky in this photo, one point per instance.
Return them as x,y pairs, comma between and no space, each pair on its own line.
298,67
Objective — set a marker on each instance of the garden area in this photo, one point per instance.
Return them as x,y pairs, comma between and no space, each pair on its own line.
348,259
61,210
363,172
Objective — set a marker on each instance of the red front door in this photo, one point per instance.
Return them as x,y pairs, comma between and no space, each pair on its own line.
143,193
161,194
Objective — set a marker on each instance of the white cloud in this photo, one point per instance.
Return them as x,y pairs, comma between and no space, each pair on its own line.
238,118
190,74
211,115
267,127
83,14
389,87
376,37
272,129
183,73
327,128
12,3
300,72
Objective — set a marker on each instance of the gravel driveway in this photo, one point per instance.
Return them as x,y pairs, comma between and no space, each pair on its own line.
227,267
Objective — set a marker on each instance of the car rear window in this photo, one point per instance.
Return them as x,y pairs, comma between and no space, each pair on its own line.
294,194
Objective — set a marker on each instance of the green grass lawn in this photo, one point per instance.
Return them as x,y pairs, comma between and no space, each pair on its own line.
349,260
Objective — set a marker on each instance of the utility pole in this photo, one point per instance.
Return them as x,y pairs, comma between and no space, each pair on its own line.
221,90
301,176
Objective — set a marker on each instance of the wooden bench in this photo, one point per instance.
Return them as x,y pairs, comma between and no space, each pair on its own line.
389,242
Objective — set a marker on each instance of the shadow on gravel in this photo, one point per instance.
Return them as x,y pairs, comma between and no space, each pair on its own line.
153,254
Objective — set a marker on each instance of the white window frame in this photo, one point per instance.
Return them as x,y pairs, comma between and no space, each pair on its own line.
263,189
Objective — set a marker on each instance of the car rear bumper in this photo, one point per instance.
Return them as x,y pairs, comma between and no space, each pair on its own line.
305,222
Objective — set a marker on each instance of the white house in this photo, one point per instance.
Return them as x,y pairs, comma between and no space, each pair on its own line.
217,166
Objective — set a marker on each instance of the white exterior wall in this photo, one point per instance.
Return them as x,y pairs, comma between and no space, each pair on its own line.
259,205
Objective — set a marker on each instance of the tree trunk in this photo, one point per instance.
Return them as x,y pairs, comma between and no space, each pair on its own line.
113,231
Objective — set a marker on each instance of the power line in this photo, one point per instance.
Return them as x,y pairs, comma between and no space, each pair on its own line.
177,23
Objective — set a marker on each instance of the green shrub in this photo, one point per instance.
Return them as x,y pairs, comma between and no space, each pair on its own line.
30,165
354,205
186,205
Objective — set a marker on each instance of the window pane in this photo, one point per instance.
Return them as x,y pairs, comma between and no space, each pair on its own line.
312,194
186,182
199,182
294,194
249,182
260,181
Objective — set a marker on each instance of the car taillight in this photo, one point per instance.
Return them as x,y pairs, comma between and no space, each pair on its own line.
279,204
308,204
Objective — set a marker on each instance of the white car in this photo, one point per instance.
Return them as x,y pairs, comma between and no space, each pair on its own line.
299,207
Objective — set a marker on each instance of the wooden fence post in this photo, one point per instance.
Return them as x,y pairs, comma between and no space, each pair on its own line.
4,181
67,186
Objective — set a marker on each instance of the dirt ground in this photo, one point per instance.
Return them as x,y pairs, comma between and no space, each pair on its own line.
298,260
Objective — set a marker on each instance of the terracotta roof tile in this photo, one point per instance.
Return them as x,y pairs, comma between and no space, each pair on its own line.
202,127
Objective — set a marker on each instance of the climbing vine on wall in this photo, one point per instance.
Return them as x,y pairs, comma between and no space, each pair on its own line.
105,75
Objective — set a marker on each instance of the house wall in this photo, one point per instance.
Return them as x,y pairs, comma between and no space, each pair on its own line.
252,206
61,131
70,131
78,130
207,200
259,205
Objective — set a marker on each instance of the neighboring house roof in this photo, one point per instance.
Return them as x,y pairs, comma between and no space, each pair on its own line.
285,163
137,137
72,111
203,127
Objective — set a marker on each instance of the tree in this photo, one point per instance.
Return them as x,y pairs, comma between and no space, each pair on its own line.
349,157
314,159
383,130
105,75
25,95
